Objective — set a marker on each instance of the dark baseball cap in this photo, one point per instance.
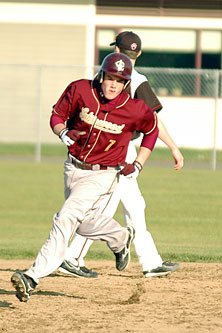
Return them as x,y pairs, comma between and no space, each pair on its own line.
128,40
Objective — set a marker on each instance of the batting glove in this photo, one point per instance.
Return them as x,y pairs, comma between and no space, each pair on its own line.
65,138
131,170
69,137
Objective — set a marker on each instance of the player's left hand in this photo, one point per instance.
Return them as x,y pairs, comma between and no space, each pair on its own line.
178,158
131,170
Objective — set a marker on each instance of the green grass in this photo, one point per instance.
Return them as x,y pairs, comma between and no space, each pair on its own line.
184,210
199,156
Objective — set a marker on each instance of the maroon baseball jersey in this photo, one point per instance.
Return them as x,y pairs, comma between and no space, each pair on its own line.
108,124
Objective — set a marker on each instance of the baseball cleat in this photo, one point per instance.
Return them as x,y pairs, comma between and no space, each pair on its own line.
89,272
70,269
24,286
171,266
123,257
164,270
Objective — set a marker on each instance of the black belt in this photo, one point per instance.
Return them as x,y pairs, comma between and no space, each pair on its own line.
87,166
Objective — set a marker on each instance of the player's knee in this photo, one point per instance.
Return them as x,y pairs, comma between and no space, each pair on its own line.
65,222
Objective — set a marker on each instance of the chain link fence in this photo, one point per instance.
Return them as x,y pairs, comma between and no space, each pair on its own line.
192,101
199,94
185,82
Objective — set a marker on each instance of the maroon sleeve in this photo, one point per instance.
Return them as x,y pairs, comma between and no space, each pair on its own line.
149,141
62,109
55,119
148,124
151,136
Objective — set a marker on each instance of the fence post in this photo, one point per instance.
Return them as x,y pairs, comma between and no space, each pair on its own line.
39,118
216,96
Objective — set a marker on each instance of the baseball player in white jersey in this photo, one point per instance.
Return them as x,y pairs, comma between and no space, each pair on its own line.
95,119
127,190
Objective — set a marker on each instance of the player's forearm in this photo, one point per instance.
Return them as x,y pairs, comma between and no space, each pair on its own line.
165,136
143,155
58,128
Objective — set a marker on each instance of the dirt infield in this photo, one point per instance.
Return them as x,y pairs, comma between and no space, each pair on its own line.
189,300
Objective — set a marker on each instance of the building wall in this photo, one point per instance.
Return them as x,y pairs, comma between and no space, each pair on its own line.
44,33
35,44
193,122
43,48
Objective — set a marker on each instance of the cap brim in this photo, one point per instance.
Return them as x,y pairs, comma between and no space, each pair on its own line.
113,43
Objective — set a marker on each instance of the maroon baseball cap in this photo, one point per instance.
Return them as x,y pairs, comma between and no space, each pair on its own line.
128,40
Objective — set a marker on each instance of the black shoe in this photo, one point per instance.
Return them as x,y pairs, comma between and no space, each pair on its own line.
69,268
89,272
171,266
123,257
164,270
24,286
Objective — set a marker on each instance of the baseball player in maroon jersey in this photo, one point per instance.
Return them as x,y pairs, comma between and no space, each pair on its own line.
128,191
96,120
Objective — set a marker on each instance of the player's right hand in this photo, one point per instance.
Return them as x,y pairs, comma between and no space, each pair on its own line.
69,137
178,158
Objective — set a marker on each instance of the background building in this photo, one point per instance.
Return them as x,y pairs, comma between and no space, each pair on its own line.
179,34
47,44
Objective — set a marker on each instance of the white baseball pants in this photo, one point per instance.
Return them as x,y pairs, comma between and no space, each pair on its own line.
128,192
87,194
